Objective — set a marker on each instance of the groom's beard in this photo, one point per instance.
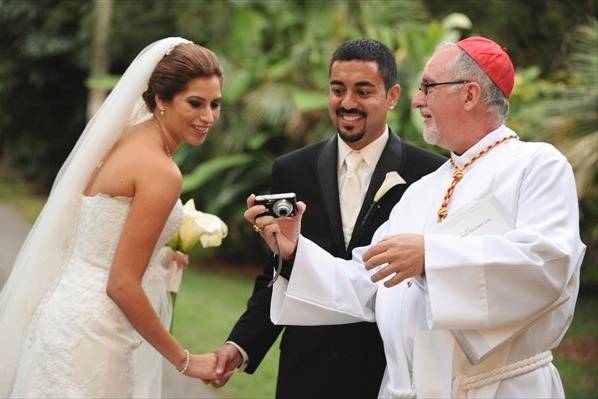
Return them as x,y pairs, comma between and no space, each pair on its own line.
350,137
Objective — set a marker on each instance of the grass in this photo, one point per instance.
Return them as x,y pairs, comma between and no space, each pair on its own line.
18,194
585,320
211,301
580,380
207,307
577,356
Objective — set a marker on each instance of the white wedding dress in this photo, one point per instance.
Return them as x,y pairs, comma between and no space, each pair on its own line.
79,343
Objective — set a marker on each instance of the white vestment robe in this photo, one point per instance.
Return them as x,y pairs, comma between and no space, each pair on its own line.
489,298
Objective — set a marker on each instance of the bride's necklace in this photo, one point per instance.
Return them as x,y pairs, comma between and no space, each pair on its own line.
163,137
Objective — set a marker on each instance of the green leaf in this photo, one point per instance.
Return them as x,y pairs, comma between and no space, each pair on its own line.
246,34
257,141
174,242
307,101
211,168
236,85
271,103
102,82
230,194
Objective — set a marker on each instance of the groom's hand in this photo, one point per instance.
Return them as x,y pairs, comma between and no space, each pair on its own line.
281,234
228,358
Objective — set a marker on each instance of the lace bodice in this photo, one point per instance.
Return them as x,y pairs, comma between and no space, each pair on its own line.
79,343
101,222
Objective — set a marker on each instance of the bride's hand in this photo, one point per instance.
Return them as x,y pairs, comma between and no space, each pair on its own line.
170,255
202,366
181,259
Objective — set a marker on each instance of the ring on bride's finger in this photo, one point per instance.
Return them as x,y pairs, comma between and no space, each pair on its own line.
256,228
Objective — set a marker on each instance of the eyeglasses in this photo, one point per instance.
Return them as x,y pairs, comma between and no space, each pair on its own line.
424,87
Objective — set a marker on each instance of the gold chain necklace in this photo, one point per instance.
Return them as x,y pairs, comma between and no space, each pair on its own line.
458,175
163,137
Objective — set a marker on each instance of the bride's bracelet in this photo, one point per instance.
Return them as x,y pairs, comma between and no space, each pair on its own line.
186,366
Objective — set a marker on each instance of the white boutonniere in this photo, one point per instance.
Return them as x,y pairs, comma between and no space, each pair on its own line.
392,179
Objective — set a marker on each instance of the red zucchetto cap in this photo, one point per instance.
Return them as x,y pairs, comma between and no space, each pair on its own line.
493,59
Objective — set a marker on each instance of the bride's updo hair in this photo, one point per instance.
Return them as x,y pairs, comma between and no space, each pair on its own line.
183,63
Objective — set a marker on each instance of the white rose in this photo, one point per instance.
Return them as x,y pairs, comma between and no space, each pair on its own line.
392,179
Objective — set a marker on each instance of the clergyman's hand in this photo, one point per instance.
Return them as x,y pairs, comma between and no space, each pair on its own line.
281,234
228,359
404,255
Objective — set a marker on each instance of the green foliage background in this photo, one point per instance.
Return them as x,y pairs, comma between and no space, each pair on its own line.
275,55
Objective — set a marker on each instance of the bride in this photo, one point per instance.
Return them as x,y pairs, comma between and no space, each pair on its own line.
83,288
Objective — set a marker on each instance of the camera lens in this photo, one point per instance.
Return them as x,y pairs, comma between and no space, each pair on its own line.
282,208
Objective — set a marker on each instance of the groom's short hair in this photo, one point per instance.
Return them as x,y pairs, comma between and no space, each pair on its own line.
369,50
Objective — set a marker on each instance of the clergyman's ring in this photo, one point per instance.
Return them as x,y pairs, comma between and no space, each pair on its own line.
256,228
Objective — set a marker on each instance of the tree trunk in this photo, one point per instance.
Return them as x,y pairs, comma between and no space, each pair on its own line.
100,62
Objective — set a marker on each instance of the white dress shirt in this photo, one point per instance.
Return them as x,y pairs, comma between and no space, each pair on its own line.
370,154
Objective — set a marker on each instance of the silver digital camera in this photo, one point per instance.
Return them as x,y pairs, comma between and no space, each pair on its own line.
278,205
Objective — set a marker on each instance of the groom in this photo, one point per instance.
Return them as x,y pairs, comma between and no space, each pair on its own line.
338,178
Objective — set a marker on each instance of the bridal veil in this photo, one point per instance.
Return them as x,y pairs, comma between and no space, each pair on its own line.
44,254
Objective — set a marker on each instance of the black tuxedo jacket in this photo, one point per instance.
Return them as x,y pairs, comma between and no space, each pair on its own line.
339,361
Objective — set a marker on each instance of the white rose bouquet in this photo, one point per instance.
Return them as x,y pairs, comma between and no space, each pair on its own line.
207,229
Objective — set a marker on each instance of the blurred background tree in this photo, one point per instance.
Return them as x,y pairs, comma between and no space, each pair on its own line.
536,32
43,66
275,55
100,60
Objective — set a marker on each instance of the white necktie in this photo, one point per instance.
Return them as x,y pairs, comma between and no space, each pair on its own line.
350,197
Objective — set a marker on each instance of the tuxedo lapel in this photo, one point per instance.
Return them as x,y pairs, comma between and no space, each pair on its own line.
391,159
328,177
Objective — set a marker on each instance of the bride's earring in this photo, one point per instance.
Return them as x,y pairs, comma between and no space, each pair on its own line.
161,111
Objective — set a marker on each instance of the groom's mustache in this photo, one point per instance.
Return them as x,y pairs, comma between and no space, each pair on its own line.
340,111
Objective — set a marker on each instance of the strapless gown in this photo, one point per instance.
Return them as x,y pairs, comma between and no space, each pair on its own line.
79,344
